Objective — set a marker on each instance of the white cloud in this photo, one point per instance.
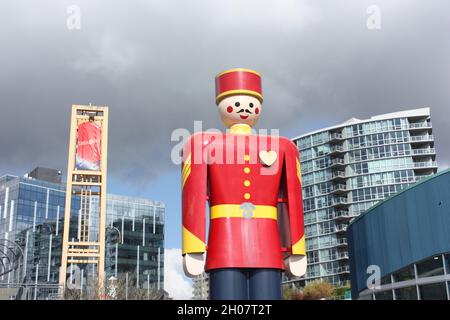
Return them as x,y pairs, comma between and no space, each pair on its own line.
176,284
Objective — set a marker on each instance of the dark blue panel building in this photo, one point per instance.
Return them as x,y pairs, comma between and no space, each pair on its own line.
406,241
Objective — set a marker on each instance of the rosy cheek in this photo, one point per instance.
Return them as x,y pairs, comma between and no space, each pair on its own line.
230,109
257,110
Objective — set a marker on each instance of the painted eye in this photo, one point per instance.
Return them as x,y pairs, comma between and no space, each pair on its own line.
251,105
237,104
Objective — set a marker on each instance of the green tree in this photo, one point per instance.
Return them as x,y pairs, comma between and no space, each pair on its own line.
318,290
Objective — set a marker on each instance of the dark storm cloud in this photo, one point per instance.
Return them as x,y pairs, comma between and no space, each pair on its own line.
153,63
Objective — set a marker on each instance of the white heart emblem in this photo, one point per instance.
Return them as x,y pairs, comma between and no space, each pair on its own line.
268,157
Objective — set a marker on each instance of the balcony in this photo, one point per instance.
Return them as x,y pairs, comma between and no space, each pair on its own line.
338,256
338,188
332,244
336,137
338,175
337,162
420,125
343,269
340,242
336,149
342,256
326,231
341,228
339,201
420,152
342,215
427,137
333,257
425,165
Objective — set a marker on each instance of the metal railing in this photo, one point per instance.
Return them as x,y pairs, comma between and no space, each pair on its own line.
341,242
341,227
338,187
419,125
339,200
338,174
336,149
343,255
429,164
338,242
333,257
336,136
342,214
336,161
342,269
421,138
339,136
29,291
423,151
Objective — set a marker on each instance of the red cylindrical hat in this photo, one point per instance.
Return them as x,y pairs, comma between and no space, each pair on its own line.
238,81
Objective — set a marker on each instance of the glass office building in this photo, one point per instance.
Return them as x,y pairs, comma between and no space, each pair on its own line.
32,213
348,168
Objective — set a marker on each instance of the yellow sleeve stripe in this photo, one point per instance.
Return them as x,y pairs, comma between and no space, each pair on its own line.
187,164
186,170
192,244
299,172
299,247
185,176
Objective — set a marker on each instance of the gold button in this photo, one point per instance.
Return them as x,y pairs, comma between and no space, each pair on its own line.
247,157
247,170
247,196
247,183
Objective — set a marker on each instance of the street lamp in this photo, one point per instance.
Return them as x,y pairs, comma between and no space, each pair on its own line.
118,231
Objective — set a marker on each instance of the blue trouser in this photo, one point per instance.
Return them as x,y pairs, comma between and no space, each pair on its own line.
245,284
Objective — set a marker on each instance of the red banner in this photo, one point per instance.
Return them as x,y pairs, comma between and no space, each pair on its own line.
88,146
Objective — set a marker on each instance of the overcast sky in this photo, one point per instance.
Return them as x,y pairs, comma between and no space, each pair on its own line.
153,63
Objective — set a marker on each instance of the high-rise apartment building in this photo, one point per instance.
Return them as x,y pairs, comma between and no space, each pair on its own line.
348,168
200,285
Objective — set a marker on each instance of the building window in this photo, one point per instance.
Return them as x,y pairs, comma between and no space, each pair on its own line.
431,267
408,293
434,291
404,274
386,279
384,295
447,263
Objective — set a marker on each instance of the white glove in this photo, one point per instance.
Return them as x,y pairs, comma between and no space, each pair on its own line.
295,265
193,264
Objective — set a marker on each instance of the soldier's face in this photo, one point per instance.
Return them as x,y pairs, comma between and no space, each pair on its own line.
239,109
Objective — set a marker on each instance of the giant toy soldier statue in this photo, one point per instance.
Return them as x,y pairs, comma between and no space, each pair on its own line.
253,186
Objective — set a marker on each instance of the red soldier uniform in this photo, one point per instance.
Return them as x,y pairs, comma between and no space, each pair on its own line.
253,185
88,146
236,241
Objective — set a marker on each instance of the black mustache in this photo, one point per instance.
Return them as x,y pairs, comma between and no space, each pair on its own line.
246,110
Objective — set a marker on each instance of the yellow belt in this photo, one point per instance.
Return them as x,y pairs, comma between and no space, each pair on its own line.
234,211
